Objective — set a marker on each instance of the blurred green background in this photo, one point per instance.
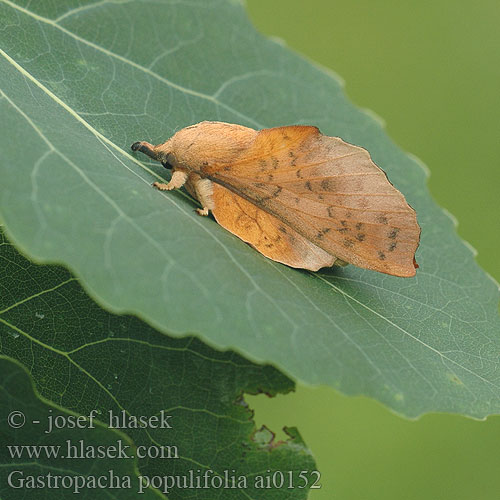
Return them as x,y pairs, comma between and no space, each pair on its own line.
431,70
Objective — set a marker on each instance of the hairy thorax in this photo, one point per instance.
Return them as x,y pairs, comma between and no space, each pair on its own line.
206,144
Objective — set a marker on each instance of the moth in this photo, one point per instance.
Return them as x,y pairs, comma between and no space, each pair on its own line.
297,196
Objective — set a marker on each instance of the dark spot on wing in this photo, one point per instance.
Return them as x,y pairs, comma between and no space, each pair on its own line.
348,215
227,169
274,194
322,232
262,164
344,227
274,162
282,229
382,219
392,246
291,154
297,200
327,185
299,173
205,163
270,177
359,225
330,211
360,237
381,255
348,242
308,186
260,185
393,233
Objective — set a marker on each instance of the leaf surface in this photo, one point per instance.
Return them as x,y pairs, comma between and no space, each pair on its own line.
82,358
80,84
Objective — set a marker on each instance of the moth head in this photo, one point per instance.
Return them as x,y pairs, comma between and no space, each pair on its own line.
164,154
161,152
167,165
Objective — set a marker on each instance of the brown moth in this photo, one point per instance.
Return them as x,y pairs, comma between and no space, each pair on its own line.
297,196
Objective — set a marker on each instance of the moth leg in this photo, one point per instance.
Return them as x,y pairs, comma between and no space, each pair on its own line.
204,191
179,177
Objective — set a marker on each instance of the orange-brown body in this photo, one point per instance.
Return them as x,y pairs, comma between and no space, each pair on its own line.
297,196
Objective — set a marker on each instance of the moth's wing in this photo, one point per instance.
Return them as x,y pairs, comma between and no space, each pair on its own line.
330,193
266,233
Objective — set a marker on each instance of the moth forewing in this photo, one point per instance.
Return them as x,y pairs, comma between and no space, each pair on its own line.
331,193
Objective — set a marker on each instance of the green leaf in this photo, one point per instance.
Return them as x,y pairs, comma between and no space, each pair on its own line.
82,358
80,85
19,400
